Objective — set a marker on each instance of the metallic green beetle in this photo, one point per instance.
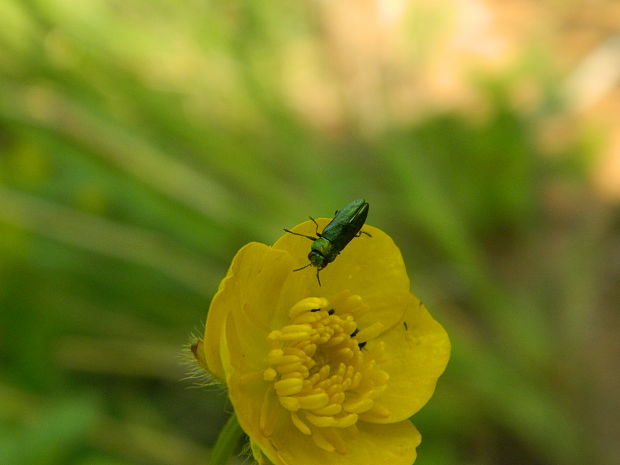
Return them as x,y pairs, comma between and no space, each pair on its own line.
346,224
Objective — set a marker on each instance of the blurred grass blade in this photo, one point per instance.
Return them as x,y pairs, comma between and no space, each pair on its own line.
103,139
106,237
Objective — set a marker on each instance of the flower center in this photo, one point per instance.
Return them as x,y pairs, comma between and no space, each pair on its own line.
320,370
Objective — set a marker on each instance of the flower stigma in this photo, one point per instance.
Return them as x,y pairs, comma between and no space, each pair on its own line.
321,372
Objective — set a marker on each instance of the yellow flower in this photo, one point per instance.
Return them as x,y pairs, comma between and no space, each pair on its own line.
324,374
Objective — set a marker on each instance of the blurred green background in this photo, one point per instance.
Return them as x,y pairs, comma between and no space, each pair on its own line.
143,142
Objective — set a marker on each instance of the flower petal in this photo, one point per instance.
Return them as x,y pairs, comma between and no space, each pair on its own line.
418,351
371,267
393,444
258,289
257,410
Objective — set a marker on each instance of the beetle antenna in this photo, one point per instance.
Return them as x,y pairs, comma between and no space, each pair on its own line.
317,276
306,266
302,235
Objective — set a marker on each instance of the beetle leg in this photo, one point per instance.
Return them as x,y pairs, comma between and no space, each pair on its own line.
363,232
302,235
317,227
317,275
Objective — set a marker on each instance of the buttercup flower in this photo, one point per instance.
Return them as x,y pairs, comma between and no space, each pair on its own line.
324,374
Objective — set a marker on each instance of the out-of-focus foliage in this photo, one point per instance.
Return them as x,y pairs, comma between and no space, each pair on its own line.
143,142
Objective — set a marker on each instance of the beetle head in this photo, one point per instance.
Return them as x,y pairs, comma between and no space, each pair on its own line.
317,259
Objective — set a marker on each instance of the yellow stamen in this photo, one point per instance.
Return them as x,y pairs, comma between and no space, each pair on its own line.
270,374
296,328
360,406
320,421
370,332
283,359
301,426
314,401
380,377
288,387
282,369
290,403
331,409
335,439
298,336
347,420
274,354
310,349
305,305
268,414
319,373
320,441
379,411
337,398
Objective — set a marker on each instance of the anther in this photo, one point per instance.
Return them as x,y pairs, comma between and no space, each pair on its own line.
359,406
331,409
321,442
347,420
270,374
288,387
301,426
372,331
289,403
320,421
313,401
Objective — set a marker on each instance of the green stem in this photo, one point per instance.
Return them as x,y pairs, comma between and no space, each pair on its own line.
226,442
